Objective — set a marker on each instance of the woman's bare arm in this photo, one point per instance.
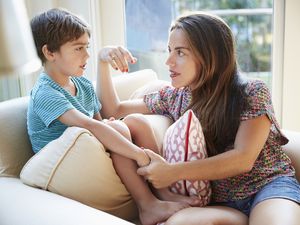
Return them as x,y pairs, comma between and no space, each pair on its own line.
118,58
250,139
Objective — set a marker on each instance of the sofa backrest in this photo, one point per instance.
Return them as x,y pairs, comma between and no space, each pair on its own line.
15,147
292,149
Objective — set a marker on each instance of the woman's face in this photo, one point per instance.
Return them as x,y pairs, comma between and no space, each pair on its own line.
181,61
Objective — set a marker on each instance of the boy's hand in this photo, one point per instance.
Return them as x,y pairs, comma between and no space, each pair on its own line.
159,172
143,159
117,56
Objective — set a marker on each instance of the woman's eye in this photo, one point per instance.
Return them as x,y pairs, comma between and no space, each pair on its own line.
180,53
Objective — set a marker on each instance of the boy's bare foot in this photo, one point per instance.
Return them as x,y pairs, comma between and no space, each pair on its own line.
159,211
166,195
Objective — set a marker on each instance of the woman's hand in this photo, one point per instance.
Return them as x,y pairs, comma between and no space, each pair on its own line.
158,172
117,56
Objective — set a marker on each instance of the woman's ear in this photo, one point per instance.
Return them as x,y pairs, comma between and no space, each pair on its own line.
48,54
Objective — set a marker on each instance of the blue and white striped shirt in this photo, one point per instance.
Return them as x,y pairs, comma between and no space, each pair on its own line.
48,101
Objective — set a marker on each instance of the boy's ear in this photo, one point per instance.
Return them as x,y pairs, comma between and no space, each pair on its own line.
47,53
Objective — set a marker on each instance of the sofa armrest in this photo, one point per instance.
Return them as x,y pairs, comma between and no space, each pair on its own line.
21,204
15,147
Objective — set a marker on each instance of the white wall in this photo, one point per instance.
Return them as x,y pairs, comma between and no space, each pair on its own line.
112,25
291,67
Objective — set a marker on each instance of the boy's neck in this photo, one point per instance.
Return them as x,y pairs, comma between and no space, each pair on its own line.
59,78
64,81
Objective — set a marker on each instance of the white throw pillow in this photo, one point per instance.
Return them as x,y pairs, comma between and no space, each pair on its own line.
184,141
77,166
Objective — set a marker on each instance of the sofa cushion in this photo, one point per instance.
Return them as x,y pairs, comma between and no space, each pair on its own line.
15,147
184,141
292,149
127,84
77,166
150,87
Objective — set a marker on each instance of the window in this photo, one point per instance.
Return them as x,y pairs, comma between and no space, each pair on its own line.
147,25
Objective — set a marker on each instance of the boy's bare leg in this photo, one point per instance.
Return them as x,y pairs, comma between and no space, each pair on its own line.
143,135
151,209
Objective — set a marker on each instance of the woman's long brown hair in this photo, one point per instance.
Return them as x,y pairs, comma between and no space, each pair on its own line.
218,96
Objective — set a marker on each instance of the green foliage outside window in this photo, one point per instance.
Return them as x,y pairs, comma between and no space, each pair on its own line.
250,21
253,32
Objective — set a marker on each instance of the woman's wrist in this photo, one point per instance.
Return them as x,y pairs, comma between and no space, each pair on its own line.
100,57
176,171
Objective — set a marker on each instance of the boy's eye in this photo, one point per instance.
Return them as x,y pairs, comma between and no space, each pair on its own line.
82,47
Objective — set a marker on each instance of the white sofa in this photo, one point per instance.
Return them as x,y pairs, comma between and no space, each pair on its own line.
24,205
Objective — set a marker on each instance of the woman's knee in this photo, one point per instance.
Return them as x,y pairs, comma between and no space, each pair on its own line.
275,212
136,122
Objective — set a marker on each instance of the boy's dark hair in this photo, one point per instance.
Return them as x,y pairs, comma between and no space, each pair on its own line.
54,28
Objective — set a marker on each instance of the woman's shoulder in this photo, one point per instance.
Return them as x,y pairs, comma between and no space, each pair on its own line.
254,85
257,96
176,91
170,92
255,88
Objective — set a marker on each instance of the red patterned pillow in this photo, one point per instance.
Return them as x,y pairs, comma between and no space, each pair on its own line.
184,141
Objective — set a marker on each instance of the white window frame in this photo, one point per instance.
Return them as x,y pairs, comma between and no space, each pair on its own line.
278,57
291,77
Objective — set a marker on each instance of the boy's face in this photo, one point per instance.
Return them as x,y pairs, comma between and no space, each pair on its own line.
71,59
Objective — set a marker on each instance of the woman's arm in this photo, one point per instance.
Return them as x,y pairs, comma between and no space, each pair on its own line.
118,58
250,139
109,137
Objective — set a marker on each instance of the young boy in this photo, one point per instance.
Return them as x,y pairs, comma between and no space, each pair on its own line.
62,97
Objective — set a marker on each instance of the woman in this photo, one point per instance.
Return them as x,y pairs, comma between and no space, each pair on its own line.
256,178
